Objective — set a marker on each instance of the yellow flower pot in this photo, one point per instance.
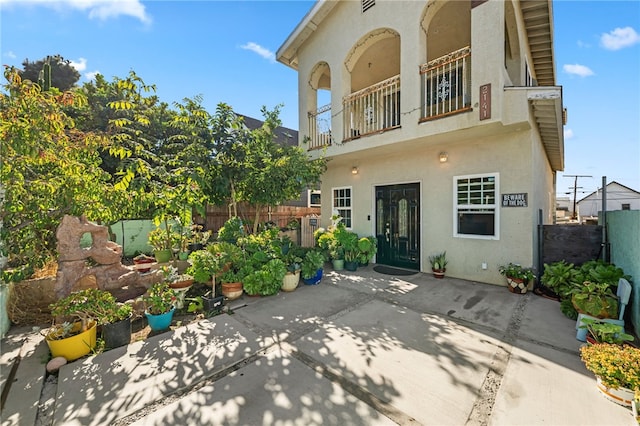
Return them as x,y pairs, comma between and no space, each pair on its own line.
74,347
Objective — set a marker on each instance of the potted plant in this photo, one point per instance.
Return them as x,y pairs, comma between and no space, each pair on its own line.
367,250
518,278
439,264
349,242
617,370
311,270
293,262
265,280
159,302
199,237
604,332
163,241
143,259
595,299
74,330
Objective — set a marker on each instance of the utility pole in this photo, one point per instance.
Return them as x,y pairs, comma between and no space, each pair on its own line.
574,216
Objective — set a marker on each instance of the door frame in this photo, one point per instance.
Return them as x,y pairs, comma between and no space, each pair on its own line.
421,213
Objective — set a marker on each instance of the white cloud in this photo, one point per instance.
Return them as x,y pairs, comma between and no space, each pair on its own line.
80,65
91,75
100,9
262,51
620,38
10,55
576,69
568,134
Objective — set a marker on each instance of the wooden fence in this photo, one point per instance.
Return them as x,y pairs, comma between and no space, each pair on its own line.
282,216
572,243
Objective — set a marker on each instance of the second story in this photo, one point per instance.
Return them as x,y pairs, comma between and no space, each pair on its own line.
383,73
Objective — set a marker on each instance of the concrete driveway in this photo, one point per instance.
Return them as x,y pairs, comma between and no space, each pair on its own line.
360,348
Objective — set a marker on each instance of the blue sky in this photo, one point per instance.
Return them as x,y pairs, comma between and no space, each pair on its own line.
225,51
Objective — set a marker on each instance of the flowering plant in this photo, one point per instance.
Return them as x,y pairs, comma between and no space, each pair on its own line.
513,270
616,365
159,299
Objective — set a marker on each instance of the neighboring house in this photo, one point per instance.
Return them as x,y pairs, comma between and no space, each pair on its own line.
444,127
564,209
619,197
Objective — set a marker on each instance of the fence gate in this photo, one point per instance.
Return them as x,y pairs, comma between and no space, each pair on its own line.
309,225
572,243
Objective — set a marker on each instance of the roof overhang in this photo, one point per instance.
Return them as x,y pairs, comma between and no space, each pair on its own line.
539,27
546,103
288,52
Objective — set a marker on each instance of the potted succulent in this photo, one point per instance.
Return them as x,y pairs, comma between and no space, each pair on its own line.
163,241
349,242
265,280
74,330
617,370
160,305
199,237
311,270
518,278
439,264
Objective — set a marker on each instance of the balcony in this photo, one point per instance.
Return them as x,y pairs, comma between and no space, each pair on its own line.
446,85
373,109
320,128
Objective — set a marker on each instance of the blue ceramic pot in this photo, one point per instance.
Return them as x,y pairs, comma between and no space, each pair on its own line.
314,279
160,322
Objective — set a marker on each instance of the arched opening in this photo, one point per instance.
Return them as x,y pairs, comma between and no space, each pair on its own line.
319,103
373,105
446,77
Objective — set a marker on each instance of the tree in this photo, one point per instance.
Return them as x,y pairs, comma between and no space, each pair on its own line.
48,168
272,173
63,75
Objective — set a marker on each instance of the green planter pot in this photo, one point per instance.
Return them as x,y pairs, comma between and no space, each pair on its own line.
351,266
163,256
338,264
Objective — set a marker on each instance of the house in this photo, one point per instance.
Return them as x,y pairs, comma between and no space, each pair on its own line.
618,197
443,129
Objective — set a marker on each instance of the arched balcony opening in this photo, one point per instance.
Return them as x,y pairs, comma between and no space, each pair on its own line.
373,106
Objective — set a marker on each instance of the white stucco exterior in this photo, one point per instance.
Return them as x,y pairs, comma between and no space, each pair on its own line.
337,47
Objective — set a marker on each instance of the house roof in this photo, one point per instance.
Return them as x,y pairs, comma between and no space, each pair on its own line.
537,20
284,135
608,185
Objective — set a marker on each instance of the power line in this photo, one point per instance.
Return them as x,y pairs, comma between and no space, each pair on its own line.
575,187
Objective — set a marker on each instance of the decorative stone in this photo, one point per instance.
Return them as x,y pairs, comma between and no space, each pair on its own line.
109,273
55,364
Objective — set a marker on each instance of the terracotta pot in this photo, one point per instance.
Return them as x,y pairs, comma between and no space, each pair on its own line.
232,290
181,284
439,273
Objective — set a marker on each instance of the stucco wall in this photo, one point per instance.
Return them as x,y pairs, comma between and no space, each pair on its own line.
624,236
508,154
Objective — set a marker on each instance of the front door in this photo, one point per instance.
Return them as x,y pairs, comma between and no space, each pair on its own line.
398,225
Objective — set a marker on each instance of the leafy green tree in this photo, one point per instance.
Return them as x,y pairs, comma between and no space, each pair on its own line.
63,75
48,168
272,173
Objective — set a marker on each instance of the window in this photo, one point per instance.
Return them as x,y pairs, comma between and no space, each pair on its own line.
342,204
475,208
626,206
313,198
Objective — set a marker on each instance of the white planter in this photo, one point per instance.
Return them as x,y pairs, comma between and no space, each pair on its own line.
290,281
622,396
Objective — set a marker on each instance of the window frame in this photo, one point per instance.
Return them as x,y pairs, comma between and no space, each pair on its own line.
495,206
337,209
